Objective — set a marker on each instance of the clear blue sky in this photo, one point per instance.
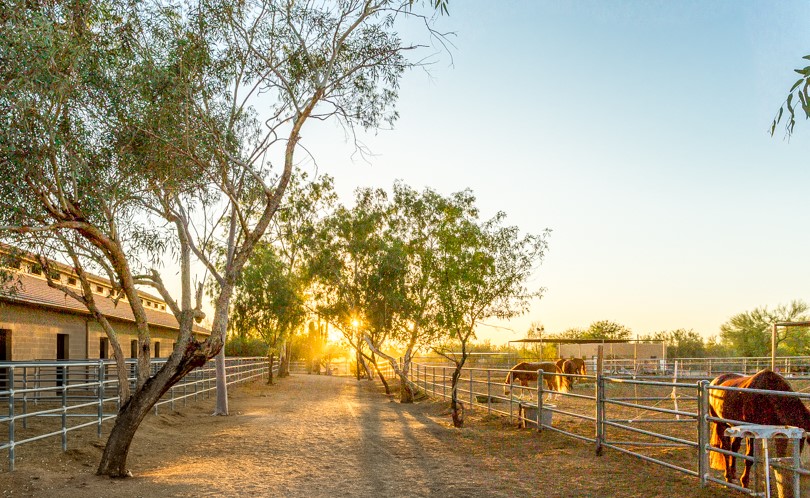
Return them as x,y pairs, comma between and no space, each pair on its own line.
636,131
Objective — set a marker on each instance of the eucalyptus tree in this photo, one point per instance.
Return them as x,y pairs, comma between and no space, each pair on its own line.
417,221
69,189
485,269
797,100
126,125
307,201
272,66
269,301
356,272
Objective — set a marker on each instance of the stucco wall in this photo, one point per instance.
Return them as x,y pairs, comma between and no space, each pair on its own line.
34,330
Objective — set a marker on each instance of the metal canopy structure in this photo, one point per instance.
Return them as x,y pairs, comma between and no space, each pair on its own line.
552,340
593,342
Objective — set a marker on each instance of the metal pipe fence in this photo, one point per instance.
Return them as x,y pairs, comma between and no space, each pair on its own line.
687,367
660,420
42,399
341,367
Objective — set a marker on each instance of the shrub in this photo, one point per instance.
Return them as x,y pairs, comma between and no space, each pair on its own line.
245,346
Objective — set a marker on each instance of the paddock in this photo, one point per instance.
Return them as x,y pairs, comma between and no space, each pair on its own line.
661,419
311,435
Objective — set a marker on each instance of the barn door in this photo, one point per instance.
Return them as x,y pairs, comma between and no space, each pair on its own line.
5,355
62,349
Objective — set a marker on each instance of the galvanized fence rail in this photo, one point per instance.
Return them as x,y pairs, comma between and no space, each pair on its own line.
688,368
657,419
65,396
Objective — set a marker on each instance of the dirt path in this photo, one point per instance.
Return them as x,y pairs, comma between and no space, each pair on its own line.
312,436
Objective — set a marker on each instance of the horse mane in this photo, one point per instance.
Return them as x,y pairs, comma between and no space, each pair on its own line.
790,410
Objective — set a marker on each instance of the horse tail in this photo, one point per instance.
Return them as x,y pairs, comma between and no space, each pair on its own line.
716,460
507,383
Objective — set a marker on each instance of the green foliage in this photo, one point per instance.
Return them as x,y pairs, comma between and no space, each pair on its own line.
749,333
798,100
681,343
245,346
602,329
269,300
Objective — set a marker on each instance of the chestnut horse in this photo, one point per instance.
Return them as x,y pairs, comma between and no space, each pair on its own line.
751,408
570,366
525,372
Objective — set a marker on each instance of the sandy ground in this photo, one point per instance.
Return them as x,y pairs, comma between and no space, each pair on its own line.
312,436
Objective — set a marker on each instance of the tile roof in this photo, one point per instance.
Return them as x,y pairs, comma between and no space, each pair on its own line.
35,291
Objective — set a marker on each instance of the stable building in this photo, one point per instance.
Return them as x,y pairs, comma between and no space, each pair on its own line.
38,322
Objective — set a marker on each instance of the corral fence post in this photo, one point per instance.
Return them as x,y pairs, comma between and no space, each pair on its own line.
444,382
471,388
11,418
25,397
540,389
424,379
489,392
703,432
539,400
64,413
512,397
101,389
600,401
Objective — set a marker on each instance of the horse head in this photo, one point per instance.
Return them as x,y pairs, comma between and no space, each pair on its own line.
564,383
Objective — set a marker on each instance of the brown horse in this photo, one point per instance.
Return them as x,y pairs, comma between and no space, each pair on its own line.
577,363
525,372
751,408
570,366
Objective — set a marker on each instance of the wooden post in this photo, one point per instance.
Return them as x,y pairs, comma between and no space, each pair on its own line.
773,347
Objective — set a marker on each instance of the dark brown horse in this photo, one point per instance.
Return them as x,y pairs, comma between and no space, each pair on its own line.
526,372
751,408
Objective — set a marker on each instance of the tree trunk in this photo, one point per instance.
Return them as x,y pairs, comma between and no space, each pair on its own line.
220,327
284,361
367,371
456,407
270,374
222,384
381,376
114,459
405,390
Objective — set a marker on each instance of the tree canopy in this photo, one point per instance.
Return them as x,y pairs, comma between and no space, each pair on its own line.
749,333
